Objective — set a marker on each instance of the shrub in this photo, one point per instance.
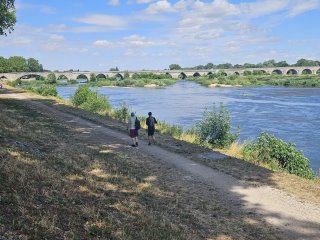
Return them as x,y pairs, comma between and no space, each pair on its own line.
80,96
72,81
51,78
214,128
43,90
90,100
275,152
121,112
96,103
93,77
15,82
47,90
172,130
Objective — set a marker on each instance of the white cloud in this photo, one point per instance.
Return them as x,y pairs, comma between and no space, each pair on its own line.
57,28
56,37
103,20
103,43
114,2
300,7
20,6
132,41
160,7
51,46
144,1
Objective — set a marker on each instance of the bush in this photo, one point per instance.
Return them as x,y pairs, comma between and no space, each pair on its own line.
51,78
47,90
43,90
15,83
93,77
81,95
275,152
172,130
90,100
214,128
121,112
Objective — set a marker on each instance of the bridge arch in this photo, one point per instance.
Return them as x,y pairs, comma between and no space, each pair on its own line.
277,71
168,75
236,73
318,71
306,71
223,73
196,74
209,74
61,77
3,77
101,75
182,75
31,75
83,77
118,76
292,72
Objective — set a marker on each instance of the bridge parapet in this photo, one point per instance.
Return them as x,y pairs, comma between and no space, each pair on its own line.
173,73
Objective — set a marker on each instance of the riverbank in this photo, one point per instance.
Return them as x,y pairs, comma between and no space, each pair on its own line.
83,171
259,80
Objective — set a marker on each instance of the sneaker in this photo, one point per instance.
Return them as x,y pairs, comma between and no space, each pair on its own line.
137,144
133,145
149,144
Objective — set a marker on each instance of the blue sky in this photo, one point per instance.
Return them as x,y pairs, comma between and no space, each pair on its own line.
148,34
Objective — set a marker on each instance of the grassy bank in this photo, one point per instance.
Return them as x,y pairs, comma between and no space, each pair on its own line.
61,182
260,80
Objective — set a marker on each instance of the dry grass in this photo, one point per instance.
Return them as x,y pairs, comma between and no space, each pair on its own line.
59,182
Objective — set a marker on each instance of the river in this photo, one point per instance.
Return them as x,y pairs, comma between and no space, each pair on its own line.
292,114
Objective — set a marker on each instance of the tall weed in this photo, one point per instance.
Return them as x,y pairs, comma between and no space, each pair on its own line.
279,154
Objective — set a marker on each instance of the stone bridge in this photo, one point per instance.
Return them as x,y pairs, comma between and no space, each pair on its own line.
183,73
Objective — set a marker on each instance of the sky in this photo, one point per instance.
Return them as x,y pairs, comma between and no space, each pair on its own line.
97,35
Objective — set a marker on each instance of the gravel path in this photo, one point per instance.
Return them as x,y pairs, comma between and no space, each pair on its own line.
296,219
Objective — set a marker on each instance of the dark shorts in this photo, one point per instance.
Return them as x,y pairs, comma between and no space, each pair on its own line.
150,131
133,133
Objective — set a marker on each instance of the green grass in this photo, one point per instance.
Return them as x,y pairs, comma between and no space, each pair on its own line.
262,80
63,184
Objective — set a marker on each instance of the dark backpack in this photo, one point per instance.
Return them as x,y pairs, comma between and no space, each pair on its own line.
137,124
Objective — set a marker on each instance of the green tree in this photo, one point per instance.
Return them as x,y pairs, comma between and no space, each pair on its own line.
4,65
34,65
174,67
269,63
209,66
114,69
306,63
51,78
93,77
282,64
7,16
249,65
126,75
224,66
18,64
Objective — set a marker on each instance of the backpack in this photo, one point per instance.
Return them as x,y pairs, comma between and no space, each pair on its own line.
137,124
151,121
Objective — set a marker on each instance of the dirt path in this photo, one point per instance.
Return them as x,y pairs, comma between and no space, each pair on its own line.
296,219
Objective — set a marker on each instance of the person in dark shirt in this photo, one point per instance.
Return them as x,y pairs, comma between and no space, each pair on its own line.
150,122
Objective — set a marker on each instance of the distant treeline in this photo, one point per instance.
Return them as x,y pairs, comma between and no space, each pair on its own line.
270,63
19,64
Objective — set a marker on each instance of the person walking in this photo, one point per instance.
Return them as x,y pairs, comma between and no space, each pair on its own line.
133,128
150,122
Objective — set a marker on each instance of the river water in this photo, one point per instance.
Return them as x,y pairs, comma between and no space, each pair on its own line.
292,114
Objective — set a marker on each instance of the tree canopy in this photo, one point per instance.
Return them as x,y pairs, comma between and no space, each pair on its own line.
19,64
269,63
7,16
